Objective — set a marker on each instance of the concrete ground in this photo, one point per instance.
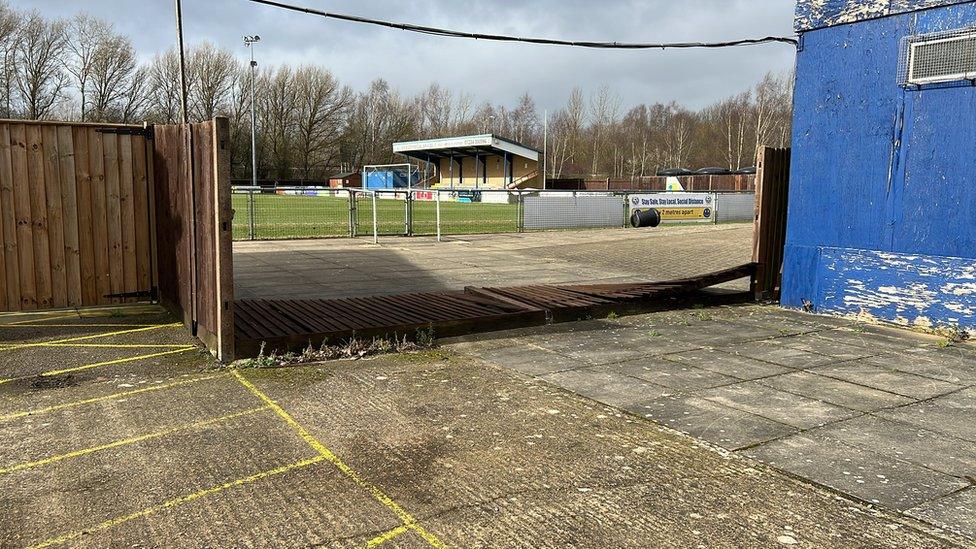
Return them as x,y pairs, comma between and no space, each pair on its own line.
881,415
310,269
116,431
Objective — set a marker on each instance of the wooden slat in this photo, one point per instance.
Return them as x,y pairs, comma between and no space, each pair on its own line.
99,215
140,209
69,210
11,278
55,217
22,212
113,212
85,199
38,204
128,215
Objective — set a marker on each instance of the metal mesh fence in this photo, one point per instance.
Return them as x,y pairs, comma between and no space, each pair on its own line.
290,214
472,212
328,213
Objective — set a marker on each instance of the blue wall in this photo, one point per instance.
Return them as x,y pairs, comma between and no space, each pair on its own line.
882,217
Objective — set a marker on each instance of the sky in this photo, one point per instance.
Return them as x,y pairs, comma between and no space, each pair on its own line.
487,71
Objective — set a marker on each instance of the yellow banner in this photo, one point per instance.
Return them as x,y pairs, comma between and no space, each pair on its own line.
684,214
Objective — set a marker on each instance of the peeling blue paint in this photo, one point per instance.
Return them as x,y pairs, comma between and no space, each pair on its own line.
883,180
815,14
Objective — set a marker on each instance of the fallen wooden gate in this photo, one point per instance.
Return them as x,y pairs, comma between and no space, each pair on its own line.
292,325
75,215
193,222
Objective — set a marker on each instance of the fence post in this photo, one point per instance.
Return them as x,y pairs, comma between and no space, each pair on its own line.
438,195
408,214
376,230
520,211
250,215
353,215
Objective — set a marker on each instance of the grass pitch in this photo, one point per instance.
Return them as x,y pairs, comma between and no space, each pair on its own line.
288,216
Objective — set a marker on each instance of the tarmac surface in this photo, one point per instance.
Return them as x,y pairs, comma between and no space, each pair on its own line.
115,430
345,267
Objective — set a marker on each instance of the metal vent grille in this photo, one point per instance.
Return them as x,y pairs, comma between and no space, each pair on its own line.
941,57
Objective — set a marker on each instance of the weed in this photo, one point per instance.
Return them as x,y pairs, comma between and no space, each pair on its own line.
612,315
654,333
353,349
703,316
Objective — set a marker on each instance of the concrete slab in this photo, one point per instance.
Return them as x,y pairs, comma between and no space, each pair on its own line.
951,414
672,375
727,427
835,391
865,474
794,410
609,388
956,512
897,440
777,351
892,381
739,367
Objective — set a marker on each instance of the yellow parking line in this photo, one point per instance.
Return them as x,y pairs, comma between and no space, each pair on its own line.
126,441
111,523
99,364
119,345
405,517
387,536
117,361
73,325
113,396
87,337
28,321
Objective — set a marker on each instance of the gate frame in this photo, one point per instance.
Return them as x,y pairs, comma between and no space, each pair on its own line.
769,236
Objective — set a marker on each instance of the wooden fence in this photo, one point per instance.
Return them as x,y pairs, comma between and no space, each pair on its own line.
769,240
193,215
730,183
75,211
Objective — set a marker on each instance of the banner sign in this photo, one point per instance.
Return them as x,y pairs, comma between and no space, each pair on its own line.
685,207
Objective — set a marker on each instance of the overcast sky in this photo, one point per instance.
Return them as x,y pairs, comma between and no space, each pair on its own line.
497,72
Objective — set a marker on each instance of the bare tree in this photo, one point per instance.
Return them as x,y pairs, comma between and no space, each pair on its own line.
86,36
213,72
112,79
165,103
41,79
9,27
321,108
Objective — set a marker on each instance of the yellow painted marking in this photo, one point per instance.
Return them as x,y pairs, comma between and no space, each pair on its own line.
184,349
386,536
73,325
117,361
377,494
95,336
113,396
111,523
29,320
127,441
119,345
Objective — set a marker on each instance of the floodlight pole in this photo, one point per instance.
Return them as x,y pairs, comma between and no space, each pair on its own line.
249,42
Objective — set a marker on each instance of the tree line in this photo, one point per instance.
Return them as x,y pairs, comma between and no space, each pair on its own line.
310,126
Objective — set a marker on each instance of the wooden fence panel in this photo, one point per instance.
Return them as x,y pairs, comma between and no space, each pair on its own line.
193,219
68,195
772,191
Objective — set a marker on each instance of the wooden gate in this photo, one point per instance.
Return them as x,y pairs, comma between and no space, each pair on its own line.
769,241
193,225
75,211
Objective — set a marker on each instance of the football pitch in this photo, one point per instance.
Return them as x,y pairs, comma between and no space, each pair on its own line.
288,216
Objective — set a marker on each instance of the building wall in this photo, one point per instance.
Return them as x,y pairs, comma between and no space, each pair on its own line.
493,165
883,180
